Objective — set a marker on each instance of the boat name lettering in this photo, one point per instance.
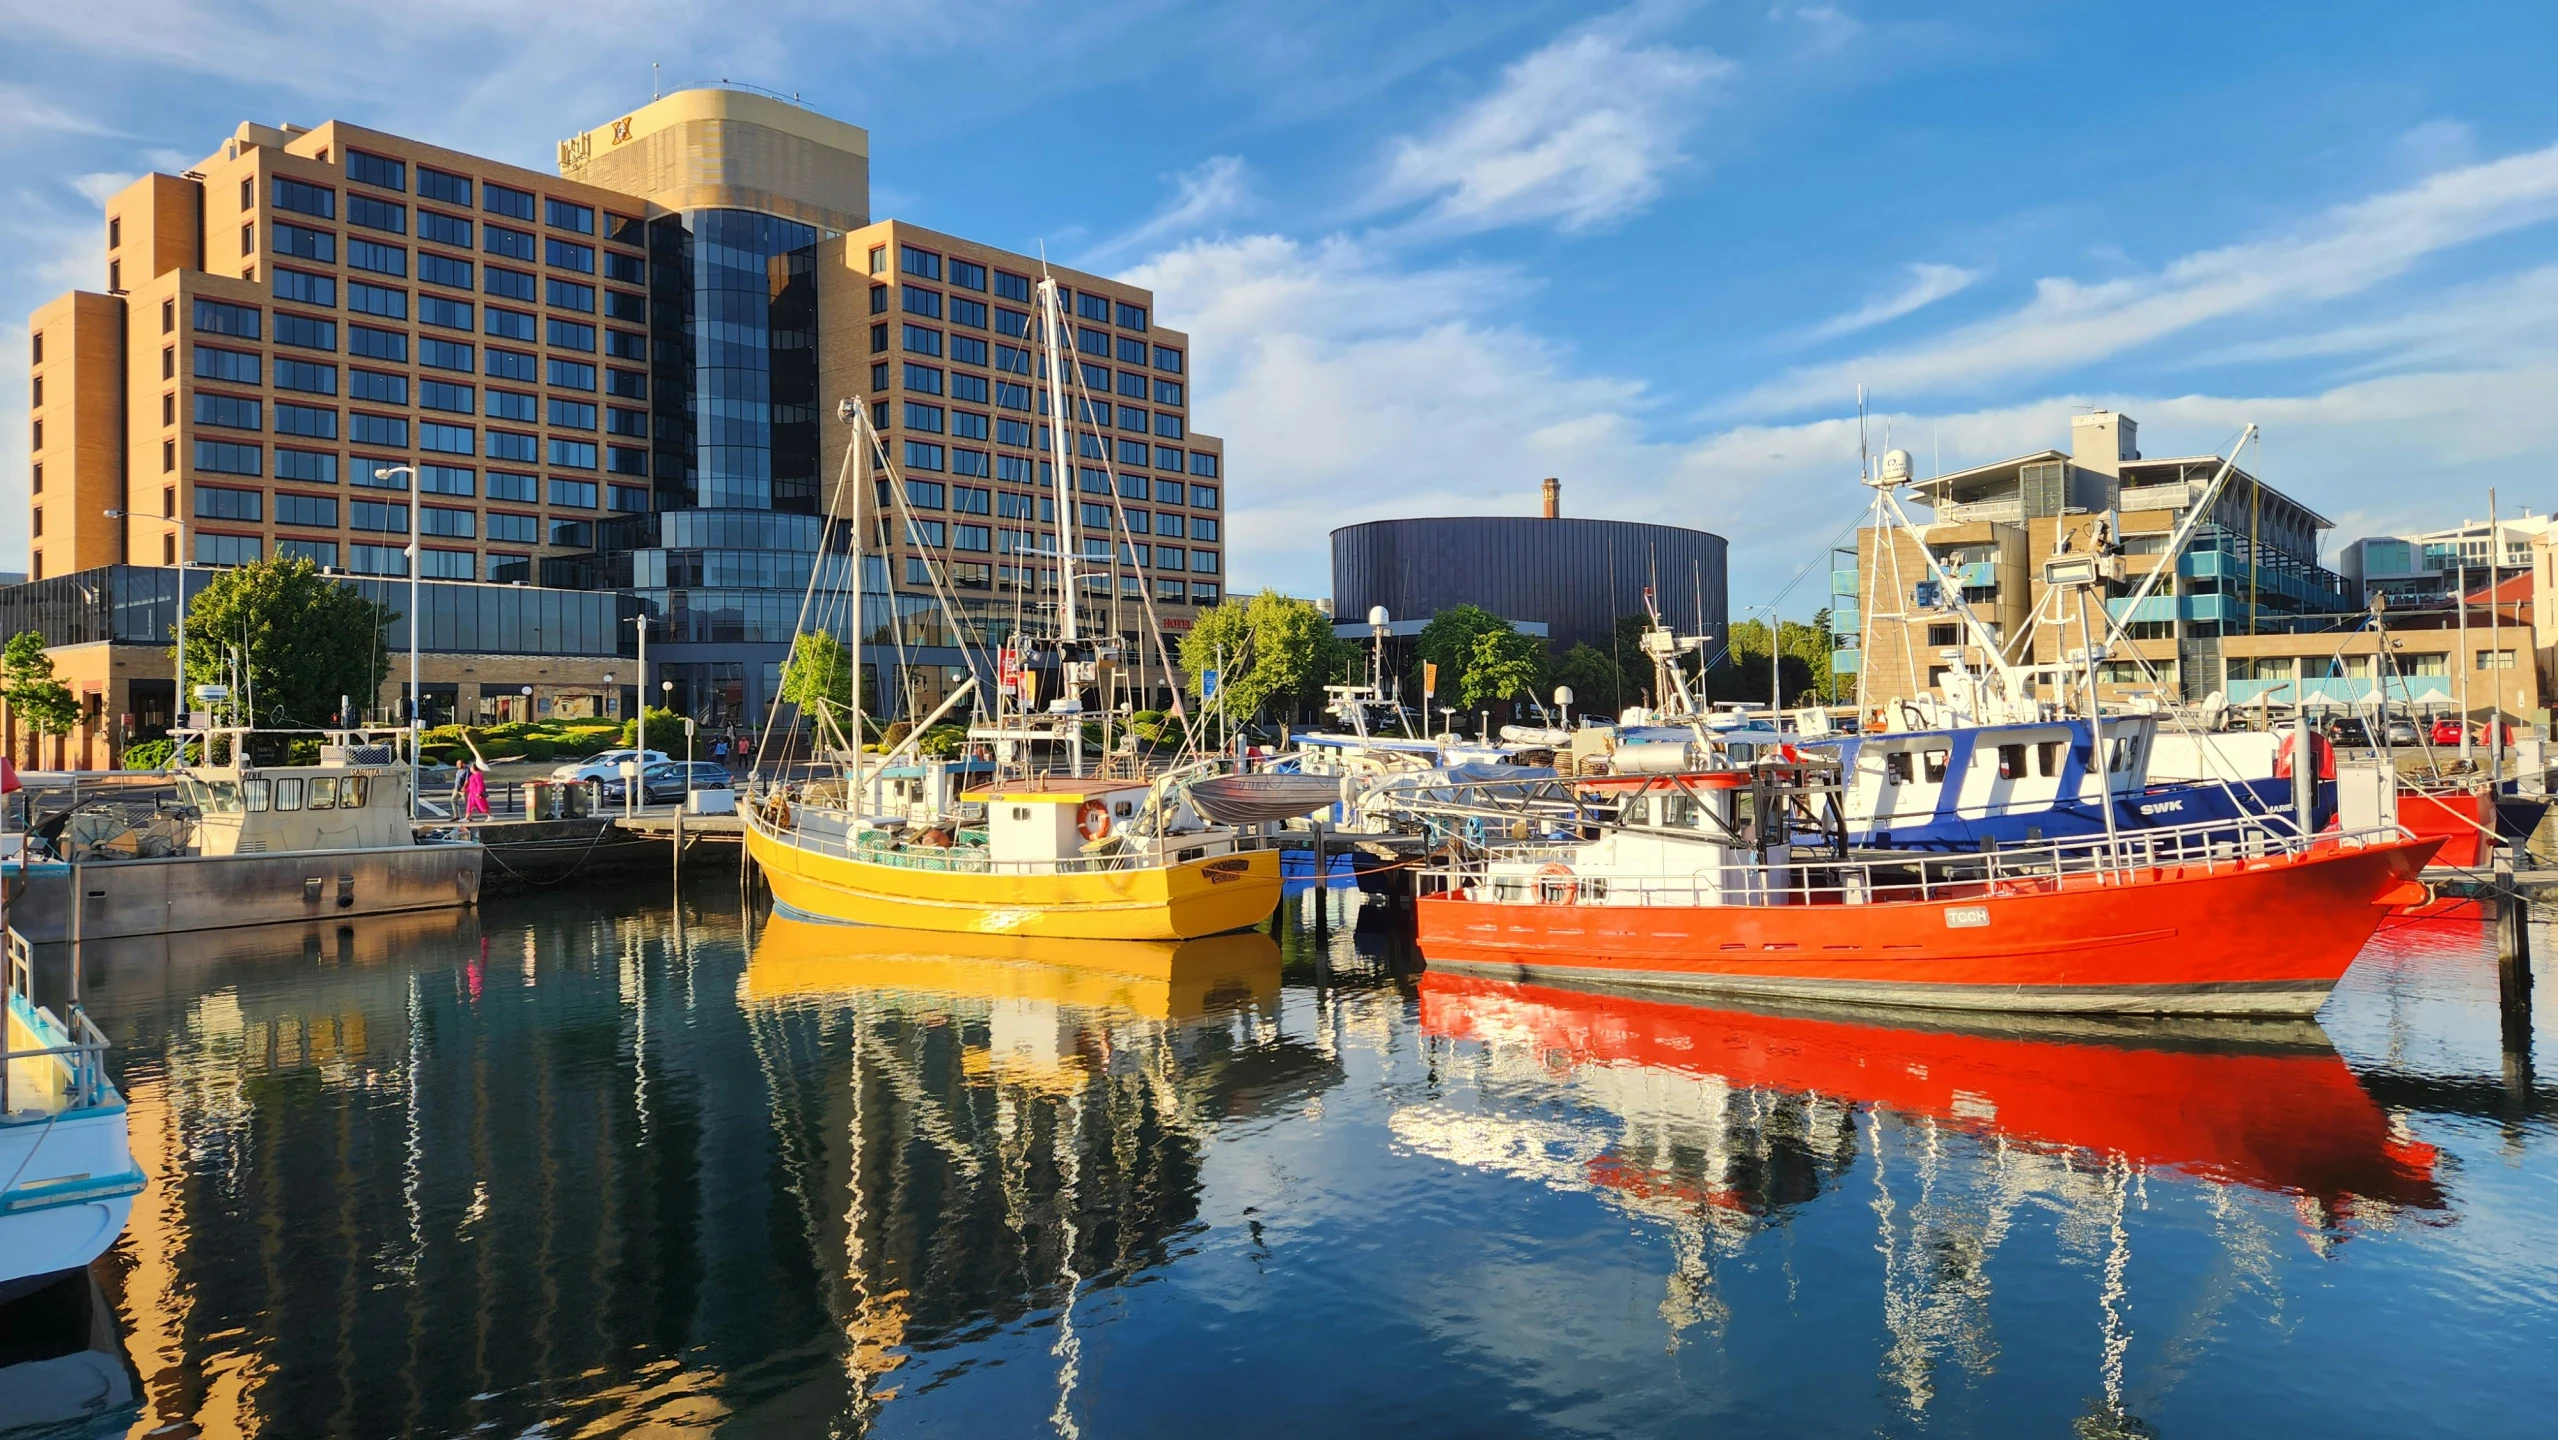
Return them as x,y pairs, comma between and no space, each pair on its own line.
1967,917
2162,807
1221,871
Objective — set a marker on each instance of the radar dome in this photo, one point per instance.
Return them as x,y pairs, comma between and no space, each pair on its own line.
1896,467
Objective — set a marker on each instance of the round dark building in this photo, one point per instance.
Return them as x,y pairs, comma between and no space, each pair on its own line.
1573,576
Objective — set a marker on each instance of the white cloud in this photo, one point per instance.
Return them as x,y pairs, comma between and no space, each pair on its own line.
2067,324
26,113
1577,135
1216,189
1928,283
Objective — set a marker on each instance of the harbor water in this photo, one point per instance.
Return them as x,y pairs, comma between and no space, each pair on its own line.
593,1164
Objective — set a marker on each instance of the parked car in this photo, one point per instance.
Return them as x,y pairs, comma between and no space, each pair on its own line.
2348,732
607,766
2403,732
2446,731
668,783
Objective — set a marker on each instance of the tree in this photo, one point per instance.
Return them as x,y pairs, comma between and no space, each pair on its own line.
1273,649
1596,683
43,704
1803,660
300,639
819,676
1505,665
1448,642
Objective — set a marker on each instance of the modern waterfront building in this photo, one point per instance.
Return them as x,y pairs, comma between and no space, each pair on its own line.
2249,576
1569,580
621,376
2427,569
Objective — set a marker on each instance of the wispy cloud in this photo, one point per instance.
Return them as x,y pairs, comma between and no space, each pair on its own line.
1928,283
26,113
1577,135
1218,188
2068,324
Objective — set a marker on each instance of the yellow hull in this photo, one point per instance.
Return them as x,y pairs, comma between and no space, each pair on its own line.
1175,902
1153,979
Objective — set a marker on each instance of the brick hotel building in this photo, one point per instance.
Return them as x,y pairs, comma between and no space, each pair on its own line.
603,393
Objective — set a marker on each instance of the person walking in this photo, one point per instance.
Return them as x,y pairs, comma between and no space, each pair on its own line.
475,793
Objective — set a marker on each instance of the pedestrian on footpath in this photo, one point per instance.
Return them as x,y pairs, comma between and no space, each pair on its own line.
475,793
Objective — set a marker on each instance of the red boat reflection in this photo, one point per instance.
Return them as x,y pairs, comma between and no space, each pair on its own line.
2269,1105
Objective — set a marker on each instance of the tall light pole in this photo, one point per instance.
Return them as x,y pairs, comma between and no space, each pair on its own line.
417,709
178,714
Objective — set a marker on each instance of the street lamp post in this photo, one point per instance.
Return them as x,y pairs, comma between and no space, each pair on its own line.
178,712
417,709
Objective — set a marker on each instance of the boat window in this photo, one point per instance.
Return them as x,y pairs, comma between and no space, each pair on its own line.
2047,759
354,791
221,797
1021,812
1638,811
1679,811
2121,759
324,792
288,793
256,791
2011,762
1935,763
1896,767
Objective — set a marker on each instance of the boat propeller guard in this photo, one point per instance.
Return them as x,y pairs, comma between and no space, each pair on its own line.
1093,821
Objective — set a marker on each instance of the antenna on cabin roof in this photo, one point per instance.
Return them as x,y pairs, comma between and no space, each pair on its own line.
654,93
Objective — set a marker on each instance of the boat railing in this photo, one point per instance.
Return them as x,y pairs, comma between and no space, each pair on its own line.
1550,873
77,1078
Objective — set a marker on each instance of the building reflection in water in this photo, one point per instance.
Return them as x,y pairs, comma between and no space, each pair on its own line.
608,1172
1722,1120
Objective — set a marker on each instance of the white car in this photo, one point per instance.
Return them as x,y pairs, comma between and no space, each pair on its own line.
607,766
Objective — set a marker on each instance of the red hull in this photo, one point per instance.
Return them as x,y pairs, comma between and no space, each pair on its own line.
2269,937
2462,820
2268,1106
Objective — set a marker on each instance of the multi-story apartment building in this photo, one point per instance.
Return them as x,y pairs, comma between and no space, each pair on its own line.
2247,581
2428,569
332,342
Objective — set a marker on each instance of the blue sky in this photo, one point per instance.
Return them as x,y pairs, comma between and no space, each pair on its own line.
1432,253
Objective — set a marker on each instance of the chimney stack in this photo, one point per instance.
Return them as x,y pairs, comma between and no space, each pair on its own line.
1553,498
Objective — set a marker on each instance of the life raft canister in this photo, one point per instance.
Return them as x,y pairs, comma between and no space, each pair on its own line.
1093,821
2321,752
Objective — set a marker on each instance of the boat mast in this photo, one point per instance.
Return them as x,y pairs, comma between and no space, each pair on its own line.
856,413
1060,428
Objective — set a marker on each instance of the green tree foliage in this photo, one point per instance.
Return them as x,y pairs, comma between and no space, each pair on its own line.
665,734
1448,642
1598,687
1804,675
302,640
148,754
42,703
819,677
1504,665
1278,652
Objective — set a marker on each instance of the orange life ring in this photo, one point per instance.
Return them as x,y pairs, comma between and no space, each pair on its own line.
1093,821
1557,885
2322,753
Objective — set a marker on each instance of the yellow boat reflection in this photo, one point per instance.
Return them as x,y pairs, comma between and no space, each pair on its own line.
1163,980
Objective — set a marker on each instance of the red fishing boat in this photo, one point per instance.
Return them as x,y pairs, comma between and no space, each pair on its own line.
2269,1105
1737,882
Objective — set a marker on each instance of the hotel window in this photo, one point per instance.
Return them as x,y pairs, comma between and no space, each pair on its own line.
1169,524
507,324
375,344
926,418
1011,286
629,498
448,314
1097,377
1202,593
440,229
622,420
628,269
307,289
311,467
227,549
922,456
513,244
377,170
240,367
319,552
969,387
433,184
376,474
312,512
923,264
1092,342
1167,358
515,529
377,387
445,480
923,379
512,365
1015,323
376,300
879,259
1202,528
926,303
390,431
1203,562
444,354
971,537
624,305
1013,360
572,414
624,345
376,560
571,455
1167,492
505,200
967,350
1089,306
234,412
1132,351
1133,452
298,197
449,523
2495,659
448,565
308,421
1013,396
1167,458
445,395
573,375
577,494
304,243
964,311
964,461
568,255
1168,426
633,384
511,485
967,425
443,270
381,516
380,259
1203,497
921,341
564,215
1167,392
569,335
1171,557
1203,464
168,362
375,214
1132,384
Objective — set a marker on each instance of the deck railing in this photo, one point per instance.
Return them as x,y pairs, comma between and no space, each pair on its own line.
1823,879
799,835
81,1064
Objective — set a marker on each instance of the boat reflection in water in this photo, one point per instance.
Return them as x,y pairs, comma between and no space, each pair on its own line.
987,1128
1724,1119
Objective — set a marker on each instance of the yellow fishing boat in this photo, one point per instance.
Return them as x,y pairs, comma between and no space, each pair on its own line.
1060,859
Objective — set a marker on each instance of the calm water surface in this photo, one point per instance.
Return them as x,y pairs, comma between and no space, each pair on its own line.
578,1165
